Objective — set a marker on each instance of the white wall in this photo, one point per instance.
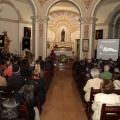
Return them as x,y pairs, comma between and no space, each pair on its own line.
12,33
15,32
105,30
75,35
50,35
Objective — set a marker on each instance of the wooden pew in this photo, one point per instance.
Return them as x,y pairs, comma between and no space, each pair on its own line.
89,104
114,112
89,111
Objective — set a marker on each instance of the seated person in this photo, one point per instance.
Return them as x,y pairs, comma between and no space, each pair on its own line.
76,63
95,83
16,79
9,109
87,74
27,94
2,80
8,71
82,67
106,74
106,96
116,78
25,69
41,85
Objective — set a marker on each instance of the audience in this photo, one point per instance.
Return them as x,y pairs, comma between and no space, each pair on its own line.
2,80
9,109
27,94
8,71
106,74
41,85
116,78
41,62
25,69
95,83
82,67
16,79
106,96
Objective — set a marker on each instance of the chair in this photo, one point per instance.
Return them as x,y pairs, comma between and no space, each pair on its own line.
110,112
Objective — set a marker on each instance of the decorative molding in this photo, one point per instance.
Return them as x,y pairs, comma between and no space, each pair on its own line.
88,20
12,5
87,3
14,21
42,2
112,15
41,29
43,19
86,31
70,18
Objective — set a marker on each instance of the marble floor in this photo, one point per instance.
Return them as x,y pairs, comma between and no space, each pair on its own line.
63,100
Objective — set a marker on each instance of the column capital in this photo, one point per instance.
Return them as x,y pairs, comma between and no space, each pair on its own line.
34,18
42,19
88,20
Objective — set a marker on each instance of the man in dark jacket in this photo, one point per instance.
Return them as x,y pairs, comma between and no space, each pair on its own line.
16,79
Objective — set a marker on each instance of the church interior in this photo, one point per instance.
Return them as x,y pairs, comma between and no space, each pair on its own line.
73,29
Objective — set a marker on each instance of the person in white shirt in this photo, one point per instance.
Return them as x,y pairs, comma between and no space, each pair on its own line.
95,83
106,96
116,78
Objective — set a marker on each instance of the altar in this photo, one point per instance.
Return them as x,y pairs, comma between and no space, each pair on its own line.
63,48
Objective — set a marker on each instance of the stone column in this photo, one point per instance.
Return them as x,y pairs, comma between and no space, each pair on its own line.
35,36
87,32
43,36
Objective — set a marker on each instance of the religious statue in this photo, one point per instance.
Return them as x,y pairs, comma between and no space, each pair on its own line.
63,35
6,41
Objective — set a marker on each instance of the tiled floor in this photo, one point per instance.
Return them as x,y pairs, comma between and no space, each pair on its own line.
63,101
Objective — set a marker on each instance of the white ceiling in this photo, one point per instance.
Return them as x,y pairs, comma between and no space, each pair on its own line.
66,6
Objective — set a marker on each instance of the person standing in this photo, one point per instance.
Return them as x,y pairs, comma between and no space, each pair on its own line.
53,56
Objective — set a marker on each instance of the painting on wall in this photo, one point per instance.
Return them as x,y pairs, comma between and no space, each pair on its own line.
27,32
26,43
99,34
85,45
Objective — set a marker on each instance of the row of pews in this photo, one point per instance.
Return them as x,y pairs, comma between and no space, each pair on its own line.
114,111
7,92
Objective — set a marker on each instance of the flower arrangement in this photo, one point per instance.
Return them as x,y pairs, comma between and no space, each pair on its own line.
62,58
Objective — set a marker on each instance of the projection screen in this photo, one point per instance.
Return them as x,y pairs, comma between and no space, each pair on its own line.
108,48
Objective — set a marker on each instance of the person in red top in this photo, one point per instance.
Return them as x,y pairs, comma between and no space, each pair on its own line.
8,71
53,56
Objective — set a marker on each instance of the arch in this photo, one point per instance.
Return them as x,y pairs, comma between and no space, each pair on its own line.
113,15
77,3
16,10
96,7
34,8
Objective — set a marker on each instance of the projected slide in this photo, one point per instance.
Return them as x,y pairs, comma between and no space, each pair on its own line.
108,48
